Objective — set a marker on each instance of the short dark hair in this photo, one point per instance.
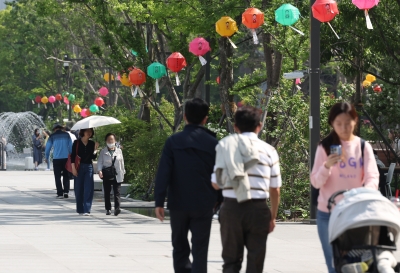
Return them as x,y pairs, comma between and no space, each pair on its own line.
247,118
196,110
66,128
109,134
82,132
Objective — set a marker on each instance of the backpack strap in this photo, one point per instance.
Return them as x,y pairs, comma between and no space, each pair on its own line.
115,158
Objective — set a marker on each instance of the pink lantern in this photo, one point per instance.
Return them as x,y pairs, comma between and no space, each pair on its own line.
298,81
103,91
366,5
52,100
66,101
84,112
199,47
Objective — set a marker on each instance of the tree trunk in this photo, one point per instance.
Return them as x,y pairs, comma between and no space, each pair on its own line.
226,79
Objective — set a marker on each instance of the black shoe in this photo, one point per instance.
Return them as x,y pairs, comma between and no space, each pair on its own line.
65,195
117,211
108,212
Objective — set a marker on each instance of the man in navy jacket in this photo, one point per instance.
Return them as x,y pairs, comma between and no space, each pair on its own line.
184,171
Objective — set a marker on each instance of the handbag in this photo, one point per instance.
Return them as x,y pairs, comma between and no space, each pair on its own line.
110,173
68,165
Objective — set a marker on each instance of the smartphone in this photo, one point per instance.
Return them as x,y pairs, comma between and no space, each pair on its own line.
336,149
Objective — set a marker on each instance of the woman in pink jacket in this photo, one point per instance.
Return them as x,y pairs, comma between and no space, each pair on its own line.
332,172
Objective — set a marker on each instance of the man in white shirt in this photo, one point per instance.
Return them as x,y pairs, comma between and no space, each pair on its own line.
71,135
247,224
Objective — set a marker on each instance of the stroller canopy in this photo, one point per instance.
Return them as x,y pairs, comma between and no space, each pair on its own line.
363,207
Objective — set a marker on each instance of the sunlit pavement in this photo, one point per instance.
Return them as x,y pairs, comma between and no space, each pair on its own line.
39,233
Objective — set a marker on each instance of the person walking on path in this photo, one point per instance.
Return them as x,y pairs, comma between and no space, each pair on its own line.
185,168
107,156
336,172
37,148
62,145
46,138
247,170
83,181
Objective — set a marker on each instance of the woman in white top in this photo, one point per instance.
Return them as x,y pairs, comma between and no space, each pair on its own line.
106,157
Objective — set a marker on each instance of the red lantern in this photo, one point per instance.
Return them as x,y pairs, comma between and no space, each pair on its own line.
175,63
325,11
253,18
377,88
99,102
58,97
38,100
217,80
137,77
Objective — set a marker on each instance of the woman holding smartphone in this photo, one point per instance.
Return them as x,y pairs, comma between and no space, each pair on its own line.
343,170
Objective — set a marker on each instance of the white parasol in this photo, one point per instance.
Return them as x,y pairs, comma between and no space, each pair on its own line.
94,121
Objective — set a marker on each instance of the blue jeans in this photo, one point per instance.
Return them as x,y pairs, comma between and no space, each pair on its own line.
322,225
84,188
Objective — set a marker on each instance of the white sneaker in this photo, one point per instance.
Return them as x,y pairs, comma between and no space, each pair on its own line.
47,170
86,214
60,197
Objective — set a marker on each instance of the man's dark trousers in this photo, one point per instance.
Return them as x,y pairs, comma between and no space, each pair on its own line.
59,170
244,225
199,224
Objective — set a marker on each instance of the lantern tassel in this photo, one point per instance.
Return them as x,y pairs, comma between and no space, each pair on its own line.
202,60
134,94
52,105
33,102
368,20
67,106
255,38
157,87
38,105
232,43
178,83
140,92
337,36
45,107
298,31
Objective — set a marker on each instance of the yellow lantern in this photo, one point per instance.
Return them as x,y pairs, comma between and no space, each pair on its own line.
370,78
125,80
77,109
107,77
366,83
226,27
44,100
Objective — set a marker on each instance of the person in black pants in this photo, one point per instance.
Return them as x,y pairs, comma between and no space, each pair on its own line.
107,156
184,170
62,146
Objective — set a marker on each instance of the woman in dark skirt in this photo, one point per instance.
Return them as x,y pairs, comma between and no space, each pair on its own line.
37,148
83,181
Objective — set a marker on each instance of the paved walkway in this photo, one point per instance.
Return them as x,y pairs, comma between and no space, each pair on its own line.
39,233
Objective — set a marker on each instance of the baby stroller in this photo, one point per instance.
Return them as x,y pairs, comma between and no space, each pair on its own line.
363,230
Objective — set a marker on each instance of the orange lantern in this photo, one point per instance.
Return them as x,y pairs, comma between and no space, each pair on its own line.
137,77
253,18
226,27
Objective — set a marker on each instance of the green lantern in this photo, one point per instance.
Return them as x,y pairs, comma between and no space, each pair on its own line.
94,108
288,15
71,97
32,97
157,71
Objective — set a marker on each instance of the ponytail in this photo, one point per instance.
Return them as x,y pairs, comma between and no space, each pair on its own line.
331,139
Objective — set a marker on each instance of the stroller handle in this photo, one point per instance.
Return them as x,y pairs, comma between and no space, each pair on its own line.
331,200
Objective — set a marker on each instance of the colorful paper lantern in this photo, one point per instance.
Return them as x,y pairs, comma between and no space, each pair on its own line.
124,79
66,101
99,102
45,100
137,77
370,78
106,77
176,62
71,97
217,80
103,91
298,81
325,11
32,98
377,88
253,18
52,100
199,47
77,109
366,83
366,5
288,15
157,71
85,113
226,27
58,97
38,100
94,108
